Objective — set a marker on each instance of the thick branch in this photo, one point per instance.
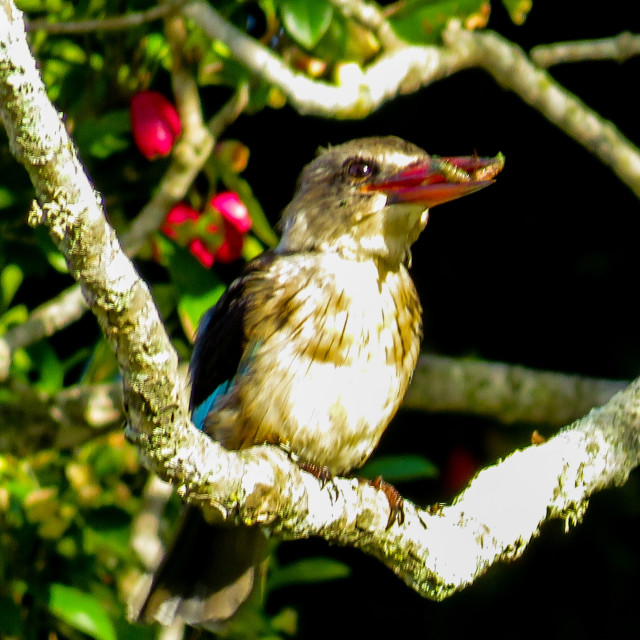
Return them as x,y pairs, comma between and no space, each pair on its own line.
71,210
437,552
505,392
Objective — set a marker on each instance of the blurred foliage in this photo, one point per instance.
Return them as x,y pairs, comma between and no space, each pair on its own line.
66,565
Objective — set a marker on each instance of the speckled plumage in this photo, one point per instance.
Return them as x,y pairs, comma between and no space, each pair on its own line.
331,344
312,348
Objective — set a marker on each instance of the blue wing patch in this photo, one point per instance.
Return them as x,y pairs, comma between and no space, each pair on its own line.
202,410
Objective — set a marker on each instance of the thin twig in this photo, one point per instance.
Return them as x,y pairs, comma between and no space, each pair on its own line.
620,48
512,69
113,23
370,16
407,69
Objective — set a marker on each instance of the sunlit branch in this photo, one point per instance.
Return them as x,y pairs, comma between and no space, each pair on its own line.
512,69
406,69
621,48
504,392
437,551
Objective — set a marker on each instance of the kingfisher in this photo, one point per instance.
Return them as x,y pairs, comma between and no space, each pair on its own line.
311,348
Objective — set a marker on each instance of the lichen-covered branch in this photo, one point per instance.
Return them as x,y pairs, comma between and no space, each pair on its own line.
189,155
505,392
436,551
399,71
512,69
68,205
620,48
403,70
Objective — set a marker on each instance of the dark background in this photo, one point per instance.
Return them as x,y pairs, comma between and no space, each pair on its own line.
541,269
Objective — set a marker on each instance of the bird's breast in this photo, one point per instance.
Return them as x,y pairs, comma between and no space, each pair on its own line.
332,346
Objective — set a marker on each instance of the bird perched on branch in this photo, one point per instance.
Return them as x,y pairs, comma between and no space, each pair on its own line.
312,348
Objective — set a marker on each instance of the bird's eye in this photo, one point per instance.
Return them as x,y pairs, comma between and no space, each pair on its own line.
358,170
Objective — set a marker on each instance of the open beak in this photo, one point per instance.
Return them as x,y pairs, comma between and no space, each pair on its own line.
437,180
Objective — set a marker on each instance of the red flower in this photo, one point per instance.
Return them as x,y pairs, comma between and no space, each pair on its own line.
232,209
177,216
200,250
235,220
231,247
237,223
155,124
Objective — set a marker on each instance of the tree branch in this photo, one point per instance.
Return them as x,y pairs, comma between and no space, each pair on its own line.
108,23
511,69
435,551
404,70
621,48
505,392
400,71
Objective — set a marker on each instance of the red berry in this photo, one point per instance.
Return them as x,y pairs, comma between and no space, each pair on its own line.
231,247
200,250
177,216
233,210
155,124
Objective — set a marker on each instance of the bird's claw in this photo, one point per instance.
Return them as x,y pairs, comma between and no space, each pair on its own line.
396,501
322,473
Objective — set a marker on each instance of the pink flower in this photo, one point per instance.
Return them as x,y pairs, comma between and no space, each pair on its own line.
200,250
232,209
177,216
231,247
155,124
205,246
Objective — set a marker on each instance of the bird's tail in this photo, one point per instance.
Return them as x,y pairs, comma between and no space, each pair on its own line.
206,575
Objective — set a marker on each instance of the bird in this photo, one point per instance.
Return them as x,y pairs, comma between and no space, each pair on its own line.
311,348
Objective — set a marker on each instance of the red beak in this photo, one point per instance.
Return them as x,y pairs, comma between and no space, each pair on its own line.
437,180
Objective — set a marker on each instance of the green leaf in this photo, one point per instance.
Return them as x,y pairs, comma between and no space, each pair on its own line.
80,610
307,571
201,288
11,625
13,316
259,222
106,135
422,22
10,280
6,197
68,51
400,468
518,10
192,307
306,20
47,366
53,255
102,364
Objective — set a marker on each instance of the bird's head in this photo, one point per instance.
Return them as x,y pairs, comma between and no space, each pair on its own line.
369,198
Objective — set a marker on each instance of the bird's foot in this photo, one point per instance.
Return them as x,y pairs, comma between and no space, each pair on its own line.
396,501
322,473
